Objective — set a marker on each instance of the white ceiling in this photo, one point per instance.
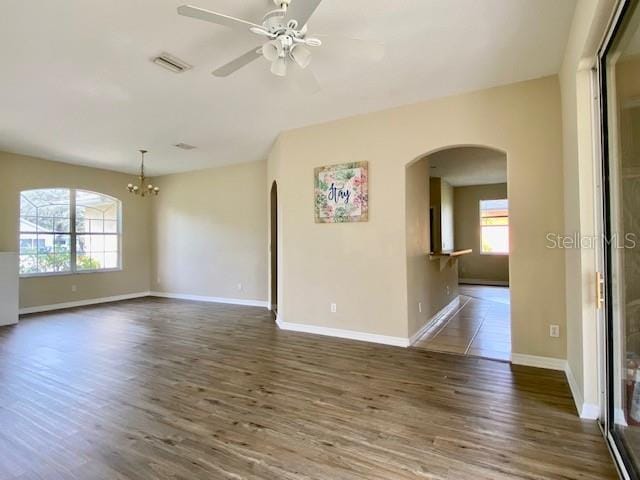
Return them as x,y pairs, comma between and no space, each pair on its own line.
77,84
465,166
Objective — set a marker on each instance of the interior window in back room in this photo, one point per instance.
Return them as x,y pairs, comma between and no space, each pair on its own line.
494,227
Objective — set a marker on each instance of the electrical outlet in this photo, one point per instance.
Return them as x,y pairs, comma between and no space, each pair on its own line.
74,288
448,290
334,308
419,307
239,287
554,330
158,280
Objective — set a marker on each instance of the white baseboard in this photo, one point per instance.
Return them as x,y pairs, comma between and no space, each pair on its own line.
81,303
590,411
129,296
479,281
453,305
200,298
587,411
575,391
539,362
349,334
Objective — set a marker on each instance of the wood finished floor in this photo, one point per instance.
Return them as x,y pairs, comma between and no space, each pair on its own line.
166,389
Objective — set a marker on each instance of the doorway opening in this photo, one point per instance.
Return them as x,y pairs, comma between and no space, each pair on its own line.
468,297
273,248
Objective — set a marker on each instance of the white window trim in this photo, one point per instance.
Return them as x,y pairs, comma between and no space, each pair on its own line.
73,236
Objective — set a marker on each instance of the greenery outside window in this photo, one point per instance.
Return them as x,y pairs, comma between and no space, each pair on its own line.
68,231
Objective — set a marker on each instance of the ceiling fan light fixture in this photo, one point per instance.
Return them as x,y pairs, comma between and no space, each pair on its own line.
284,30
271,50
301,55
279,67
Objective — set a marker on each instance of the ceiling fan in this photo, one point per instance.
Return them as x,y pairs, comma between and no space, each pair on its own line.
285,31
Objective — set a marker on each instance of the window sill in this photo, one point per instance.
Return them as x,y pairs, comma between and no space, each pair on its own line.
66,274
495,254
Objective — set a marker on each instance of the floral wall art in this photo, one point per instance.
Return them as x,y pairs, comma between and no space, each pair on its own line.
341,193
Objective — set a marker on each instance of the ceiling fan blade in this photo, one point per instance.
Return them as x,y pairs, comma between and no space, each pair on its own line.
304,80
213,17
353,47
235,65
301,11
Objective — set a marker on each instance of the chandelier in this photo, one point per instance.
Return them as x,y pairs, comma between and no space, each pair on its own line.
142,189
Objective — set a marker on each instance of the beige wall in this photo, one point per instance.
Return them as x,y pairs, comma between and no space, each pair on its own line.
19,173
362,266
588,27
435,201
431,283
491,268
446,216
209,231
204,235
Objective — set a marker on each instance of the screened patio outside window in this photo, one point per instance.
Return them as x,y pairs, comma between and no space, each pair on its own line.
66,231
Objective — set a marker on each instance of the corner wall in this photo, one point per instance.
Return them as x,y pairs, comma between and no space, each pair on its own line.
466,205
362,266
18,172
580,198
209,234
431,283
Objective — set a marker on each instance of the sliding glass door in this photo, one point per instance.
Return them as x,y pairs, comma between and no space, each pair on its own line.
619,79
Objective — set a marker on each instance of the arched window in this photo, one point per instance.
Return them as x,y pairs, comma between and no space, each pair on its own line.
65,231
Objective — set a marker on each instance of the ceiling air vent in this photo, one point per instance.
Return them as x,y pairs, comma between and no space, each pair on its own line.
184,146
171,63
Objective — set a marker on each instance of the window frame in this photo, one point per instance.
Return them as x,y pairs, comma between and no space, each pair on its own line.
501,254
73,235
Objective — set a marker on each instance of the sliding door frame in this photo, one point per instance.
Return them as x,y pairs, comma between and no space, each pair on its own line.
625,467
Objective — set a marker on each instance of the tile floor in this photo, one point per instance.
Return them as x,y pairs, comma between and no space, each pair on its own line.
480,327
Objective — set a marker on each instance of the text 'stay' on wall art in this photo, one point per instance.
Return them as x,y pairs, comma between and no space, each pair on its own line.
342,193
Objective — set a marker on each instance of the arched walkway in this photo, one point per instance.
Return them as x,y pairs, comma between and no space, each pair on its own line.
457,232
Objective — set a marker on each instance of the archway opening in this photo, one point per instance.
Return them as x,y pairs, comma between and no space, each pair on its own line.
457,209
273,247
